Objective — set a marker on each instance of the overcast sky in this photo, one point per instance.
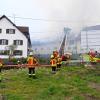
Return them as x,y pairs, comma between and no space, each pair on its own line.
54,15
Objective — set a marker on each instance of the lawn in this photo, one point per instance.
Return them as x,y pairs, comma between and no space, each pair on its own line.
70,83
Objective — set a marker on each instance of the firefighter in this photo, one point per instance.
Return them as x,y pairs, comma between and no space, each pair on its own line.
92,57
32,62
59,62
53,64
0,69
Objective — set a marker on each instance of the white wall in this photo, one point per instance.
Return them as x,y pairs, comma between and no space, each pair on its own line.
93,38
5,24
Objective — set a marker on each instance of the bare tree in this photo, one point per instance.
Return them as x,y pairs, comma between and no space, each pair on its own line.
11,49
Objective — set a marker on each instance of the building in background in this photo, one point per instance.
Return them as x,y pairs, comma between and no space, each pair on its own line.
10,34
78,43
90,38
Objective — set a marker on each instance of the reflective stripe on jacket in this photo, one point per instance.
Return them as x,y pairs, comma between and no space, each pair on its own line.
92,59
1,65
53,62
31,62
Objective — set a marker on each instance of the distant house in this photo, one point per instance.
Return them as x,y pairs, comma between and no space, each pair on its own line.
10,34
90,38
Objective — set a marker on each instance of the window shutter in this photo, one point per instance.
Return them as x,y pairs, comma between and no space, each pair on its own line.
14,42
6,42
13,30
21,42
7,30
0,30
0,42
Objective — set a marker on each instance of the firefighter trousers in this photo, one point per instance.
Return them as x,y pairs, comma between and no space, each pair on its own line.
31,71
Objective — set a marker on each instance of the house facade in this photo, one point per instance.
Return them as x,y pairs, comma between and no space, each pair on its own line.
12,35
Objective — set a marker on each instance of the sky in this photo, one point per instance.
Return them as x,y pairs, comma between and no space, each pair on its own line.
47,18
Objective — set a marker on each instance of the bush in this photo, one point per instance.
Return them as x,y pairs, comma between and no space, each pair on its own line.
14,61
43,60
23,60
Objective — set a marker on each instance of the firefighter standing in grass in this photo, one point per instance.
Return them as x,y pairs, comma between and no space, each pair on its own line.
0,69
32,62
53,61
58,59
53,64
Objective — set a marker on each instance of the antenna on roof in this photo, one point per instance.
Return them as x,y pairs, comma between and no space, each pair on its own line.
14,17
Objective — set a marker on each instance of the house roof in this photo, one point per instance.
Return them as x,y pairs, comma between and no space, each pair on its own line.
22,29
96,27
25,31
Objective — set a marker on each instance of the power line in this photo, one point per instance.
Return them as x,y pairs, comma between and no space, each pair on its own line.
52,20
42,19
45,32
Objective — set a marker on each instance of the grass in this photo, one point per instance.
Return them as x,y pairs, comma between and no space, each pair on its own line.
70,83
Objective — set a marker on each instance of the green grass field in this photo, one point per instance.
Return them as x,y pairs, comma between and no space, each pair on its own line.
70,83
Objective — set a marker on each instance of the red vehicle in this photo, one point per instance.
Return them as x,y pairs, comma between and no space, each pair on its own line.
66,56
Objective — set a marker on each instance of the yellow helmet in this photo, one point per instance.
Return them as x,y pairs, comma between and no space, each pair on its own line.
52,56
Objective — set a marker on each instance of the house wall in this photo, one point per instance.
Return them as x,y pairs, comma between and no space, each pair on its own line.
90,40
5,24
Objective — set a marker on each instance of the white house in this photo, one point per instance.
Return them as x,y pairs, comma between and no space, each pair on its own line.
90,38
10,34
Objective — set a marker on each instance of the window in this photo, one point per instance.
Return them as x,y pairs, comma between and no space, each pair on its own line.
0,30
4,52
18,52
10,31
18,42
3,42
